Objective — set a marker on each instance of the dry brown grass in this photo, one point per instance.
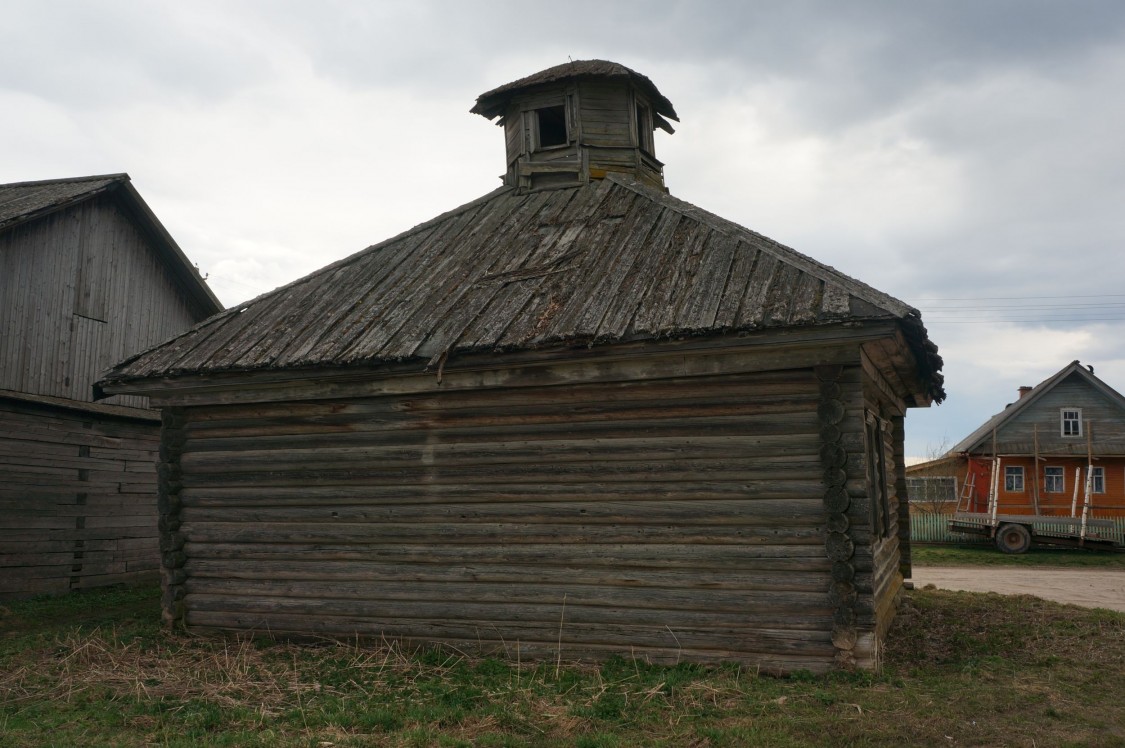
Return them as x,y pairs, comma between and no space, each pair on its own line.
960,669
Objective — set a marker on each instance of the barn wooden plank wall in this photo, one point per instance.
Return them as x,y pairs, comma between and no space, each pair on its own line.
77,499
66,281
676,518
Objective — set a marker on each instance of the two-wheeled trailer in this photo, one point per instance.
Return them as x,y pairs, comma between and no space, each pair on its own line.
1015,533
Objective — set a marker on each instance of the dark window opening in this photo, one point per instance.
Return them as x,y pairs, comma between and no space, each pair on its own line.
877,476
644,129
552,126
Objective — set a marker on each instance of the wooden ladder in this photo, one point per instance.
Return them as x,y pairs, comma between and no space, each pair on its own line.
967,487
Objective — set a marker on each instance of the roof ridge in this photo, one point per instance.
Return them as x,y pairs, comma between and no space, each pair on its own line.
119,176
25,201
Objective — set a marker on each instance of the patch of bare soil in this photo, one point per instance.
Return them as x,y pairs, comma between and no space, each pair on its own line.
1089,588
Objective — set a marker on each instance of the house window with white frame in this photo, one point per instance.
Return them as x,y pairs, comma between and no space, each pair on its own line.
1097,480
1013,479
1054,480
1071,419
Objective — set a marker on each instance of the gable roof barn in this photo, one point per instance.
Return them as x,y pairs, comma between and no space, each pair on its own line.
88,275
576,390
25,202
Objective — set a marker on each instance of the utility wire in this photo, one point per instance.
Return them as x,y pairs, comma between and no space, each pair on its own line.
993,298
1071,309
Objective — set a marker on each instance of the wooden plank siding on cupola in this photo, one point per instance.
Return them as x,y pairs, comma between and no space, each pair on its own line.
88,275
575,416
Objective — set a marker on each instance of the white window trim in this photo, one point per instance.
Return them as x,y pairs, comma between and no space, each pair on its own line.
1061,476
1063,419
1095,474
1023,484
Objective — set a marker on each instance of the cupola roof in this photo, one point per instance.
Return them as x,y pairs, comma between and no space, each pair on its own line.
492,104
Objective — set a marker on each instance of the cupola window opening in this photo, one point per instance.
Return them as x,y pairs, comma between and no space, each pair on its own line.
577,122
644,128
551,127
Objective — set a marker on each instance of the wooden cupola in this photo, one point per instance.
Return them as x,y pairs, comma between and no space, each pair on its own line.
578,121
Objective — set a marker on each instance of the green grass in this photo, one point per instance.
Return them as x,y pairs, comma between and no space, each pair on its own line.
961,669
987,555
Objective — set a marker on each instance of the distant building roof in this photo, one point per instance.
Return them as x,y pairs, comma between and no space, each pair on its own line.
982,434
23,202
610,261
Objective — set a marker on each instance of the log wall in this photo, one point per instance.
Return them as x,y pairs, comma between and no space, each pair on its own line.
77,499
889,548
677,519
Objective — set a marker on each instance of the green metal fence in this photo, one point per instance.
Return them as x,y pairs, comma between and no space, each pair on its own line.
934,528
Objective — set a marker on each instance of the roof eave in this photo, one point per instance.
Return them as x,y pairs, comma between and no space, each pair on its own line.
177,260
494,102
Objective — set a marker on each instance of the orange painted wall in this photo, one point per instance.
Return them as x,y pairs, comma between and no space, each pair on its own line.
1108,504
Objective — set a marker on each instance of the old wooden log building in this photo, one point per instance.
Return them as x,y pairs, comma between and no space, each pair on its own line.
576,416
87,276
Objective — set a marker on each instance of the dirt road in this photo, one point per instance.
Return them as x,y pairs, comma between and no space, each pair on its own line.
1090,588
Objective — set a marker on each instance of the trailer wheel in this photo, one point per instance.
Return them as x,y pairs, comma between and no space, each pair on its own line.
1013,539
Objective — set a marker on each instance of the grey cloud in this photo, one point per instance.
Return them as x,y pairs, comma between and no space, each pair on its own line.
100,55
1018,99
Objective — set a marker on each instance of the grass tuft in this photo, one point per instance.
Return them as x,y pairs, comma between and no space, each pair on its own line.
960,669
986,555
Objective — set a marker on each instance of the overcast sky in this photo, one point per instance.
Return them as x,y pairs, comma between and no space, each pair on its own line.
964,156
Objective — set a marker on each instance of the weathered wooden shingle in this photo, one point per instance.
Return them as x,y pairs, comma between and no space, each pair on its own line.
611,261
23,201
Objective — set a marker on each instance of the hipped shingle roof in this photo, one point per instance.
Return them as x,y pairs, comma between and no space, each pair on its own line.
610,261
